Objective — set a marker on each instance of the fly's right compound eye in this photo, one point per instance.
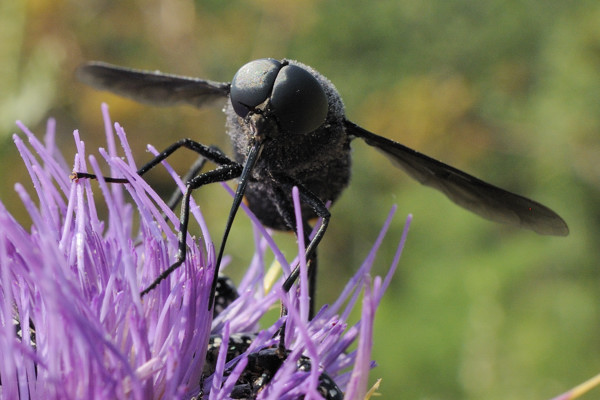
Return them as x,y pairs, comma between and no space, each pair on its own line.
298,100
252,84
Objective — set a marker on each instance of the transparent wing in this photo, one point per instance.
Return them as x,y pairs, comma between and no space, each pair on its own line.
152,87
475,195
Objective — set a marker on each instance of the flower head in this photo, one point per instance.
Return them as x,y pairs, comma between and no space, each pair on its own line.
73,325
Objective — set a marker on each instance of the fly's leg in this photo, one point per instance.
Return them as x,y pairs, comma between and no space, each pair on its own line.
227,169
208,153
223,173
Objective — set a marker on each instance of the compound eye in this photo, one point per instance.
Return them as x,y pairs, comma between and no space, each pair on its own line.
252,84
298,100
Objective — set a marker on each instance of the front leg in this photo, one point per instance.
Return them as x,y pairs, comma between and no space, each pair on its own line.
209,153
194,170
223,173
228,169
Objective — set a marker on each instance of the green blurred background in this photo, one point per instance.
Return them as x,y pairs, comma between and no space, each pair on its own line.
506,90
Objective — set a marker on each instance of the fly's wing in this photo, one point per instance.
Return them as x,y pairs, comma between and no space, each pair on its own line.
152,87
475,195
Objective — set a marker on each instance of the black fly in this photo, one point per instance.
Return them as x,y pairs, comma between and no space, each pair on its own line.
288,128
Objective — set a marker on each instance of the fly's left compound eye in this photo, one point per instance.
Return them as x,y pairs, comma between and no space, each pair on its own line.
252,85
298,101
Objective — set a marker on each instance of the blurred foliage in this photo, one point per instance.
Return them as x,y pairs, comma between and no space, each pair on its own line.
508,90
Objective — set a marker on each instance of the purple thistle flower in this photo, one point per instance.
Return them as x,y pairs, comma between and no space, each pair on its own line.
70,286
